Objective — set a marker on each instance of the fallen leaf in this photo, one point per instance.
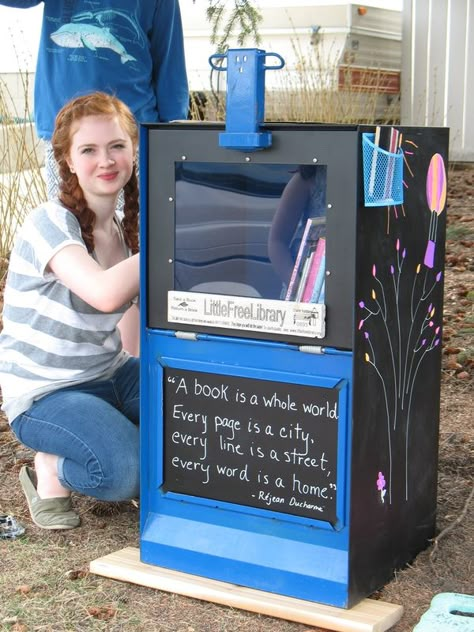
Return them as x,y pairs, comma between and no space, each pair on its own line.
103,613
76,574
452,350
452,364
23,589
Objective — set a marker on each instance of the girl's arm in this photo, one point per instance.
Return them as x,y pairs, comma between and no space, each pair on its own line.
106,290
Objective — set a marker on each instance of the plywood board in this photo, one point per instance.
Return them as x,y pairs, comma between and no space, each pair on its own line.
367,616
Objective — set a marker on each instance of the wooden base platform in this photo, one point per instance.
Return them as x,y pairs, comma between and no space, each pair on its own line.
367,616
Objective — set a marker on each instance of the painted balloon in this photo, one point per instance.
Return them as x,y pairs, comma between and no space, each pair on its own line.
436,187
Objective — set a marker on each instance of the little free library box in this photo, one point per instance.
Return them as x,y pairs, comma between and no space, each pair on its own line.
291,306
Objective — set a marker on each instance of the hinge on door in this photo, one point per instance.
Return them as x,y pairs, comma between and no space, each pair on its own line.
312,349
186,335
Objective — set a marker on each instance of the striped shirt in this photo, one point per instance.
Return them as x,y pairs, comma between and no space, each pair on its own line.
51,338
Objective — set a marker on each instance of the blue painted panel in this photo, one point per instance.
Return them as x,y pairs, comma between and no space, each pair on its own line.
265,549
273,563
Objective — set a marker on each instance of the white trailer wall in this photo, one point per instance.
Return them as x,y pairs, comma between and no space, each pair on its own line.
438,70
370,37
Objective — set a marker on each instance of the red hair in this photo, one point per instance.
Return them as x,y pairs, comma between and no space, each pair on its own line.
70,192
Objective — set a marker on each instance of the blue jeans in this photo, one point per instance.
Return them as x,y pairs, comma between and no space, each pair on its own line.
93,428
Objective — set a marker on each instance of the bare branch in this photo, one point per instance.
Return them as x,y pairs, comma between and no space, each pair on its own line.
450,527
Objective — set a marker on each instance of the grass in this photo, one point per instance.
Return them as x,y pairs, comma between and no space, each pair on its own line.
61,588
458,231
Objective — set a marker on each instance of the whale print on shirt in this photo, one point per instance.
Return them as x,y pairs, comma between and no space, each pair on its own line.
74,35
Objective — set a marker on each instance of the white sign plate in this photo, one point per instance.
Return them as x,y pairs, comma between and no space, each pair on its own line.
249,314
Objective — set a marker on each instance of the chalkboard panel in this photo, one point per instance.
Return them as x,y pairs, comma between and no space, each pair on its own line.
258,443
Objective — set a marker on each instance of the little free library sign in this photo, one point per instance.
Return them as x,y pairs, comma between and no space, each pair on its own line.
253,442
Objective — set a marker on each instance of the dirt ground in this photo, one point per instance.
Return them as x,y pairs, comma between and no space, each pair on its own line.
44,581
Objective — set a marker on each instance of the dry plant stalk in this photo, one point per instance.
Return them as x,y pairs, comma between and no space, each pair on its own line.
321,89
22,186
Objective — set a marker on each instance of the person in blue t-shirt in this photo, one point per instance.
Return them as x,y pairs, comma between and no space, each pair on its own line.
133,49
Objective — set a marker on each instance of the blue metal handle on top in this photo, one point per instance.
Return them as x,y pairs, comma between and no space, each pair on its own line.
245,104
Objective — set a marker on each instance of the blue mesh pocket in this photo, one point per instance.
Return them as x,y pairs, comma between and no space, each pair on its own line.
383,174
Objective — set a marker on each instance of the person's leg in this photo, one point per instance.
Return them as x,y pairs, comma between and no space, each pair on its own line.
126,389
48,486
93,429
